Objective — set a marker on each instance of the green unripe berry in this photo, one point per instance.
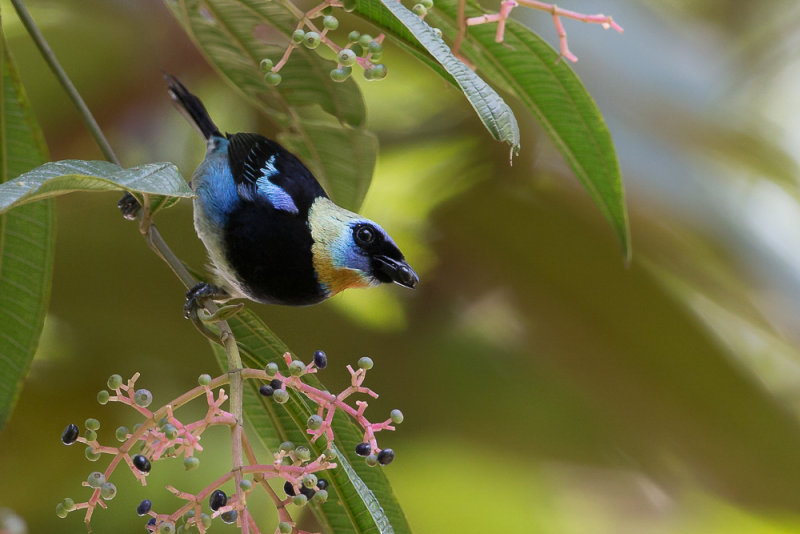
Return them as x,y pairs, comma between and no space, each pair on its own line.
302,453
204,379
358,50
314,422
297,368
364,40
349,5
103,396
281,396
287,446
371,460
143,398
310,480
121,433
427,4
92,424
299,500
396,416
188,515
108,491
298,36
330,454
321,496
271,369
192,462
311,40
374,47
96,479
205,519
61,511
438,32
166,528
114,381
170,431
375,58
366,362
91,455
266,64
284,527
419,10
339,75
353,36
246,485
90,435
272,78
330,22
69,504
346,57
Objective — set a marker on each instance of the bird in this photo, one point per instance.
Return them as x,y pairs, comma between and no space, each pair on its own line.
272,233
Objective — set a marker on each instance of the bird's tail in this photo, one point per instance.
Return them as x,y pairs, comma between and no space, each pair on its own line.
191,107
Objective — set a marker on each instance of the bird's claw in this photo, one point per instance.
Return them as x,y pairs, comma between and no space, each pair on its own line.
129,206
198,294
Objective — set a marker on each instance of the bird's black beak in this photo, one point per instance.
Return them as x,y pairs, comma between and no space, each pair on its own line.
398,271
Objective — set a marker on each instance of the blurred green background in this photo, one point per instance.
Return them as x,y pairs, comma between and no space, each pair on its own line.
547,387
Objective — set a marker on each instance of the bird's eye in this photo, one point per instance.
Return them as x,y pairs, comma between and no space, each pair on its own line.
364,235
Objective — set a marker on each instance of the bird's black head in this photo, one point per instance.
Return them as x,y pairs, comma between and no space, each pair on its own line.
387,263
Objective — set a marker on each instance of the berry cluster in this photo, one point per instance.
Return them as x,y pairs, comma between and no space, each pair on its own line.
161,435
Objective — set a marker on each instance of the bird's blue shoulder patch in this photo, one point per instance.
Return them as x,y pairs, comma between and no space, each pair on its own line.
274,194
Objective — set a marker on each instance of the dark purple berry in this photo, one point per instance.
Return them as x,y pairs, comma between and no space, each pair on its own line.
322,484
288,489
141,463
70,434
217,500
144,507
308,492
266,390
363,449
320,360
276,384
229,517
386,456
151,523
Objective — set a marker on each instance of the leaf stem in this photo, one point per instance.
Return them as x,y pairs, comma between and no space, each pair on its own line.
66,83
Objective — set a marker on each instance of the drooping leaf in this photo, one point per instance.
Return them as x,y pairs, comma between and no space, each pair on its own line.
367,503
235,35
27,239
160,180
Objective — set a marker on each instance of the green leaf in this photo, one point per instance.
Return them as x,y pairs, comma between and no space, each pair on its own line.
234,35
162,180
27,240
367,503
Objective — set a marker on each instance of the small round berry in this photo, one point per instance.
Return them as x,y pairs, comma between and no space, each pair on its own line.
322,484
229,517
204,379
61,511
271,369
310,480
353,36
308,492
114,382
170,431
166,528
345,57
438,32
358,50
396,416
141,463
386,456
70,434
266,390
365,39
92,424
91,454
150,523
378,73
299,500
143,398
288,489
339,75
375,58
246,485
205,520
276,384
330,22
302,453
284,527
363,449
427,4
349,5
217,500
297,368
69,504
272,78
281,396
311,40
374,47
298,36
266,64
366,362
108,491
371,460
419,10
96,479
144,507
103,396
320,358
321,496
330,454
314,422
90,435
327,11
286,446
191,462
188,515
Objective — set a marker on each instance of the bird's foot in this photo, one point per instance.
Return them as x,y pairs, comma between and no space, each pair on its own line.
200,293
129,206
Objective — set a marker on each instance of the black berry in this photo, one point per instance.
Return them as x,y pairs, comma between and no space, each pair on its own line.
266,390
151,523
288,489
144,507
322,484
386,456
320,360
308,492
217,500
141,463
363,449
70,434
276,384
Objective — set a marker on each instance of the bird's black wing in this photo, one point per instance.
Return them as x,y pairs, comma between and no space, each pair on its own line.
264,171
